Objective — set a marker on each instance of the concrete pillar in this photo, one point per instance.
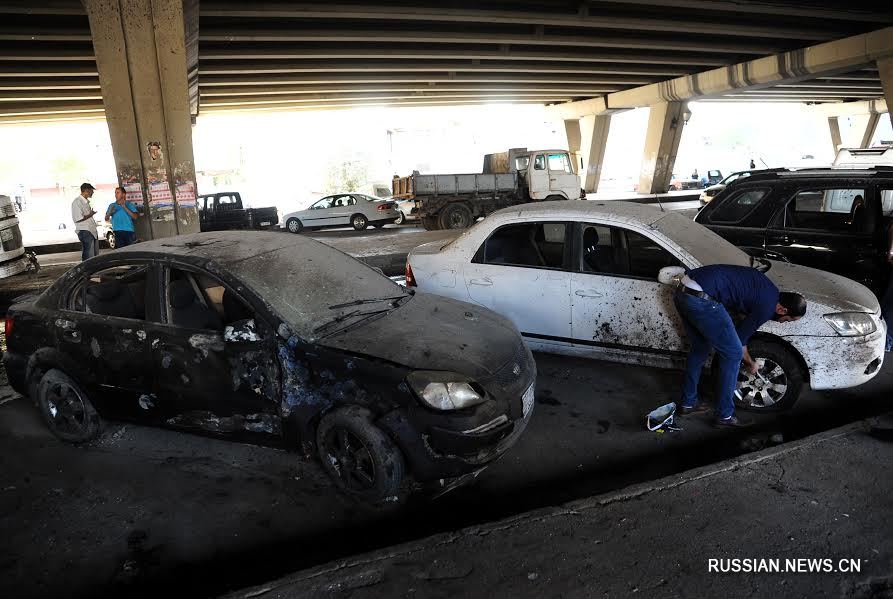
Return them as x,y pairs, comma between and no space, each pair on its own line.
665,122
572,130
871,124
594,131
834,129
141,58
885,71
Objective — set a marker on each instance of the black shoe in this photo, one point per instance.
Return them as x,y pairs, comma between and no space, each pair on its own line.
732,422
698,408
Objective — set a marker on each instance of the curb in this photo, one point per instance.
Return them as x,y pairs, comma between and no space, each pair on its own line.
567,509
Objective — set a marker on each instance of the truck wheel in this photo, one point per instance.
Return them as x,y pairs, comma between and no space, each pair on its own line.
456,216
431,223
401,218
778,384
359,222
361,459
294,225
68,412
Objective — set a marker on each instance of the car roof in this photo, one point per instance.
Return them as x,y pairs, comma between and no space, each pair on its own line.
226,247
876,172
560,209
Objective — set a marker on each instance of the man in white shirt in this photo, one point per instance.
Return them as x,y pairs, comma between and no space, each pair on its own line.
82,215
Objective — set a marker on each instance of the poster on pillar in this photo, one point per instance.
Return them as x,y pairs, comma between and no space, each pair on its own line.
160,194
131,182
185,186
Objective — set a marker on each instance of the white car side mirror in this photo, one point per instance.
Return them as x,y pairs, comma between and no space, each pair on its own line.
670,275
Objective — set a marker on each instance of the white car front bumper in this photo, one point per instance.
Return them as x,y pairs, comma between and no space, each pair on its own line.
841,362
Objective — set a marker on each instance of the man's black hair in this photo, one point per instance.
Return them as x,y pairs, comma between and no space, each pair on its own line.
794,302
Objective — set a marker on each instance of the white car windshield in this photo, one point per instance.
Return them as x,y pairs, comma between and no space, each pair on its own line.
706,246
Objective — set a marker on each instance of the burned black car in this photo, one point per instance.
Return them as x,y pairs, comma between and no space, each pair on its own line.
279,340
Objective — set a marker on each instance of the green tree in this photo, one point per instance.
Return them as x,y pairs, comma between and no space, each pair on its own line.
68,172
349,175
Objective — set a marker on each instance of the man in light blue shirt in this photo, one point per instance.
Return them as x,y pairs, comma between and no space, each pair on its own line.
122,213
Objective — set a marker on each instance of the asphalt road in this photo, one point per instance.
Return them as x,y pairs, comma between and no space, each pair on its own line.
152,512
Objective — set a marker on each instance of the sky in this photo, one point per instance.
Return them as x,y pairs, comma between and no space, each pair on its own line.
287,159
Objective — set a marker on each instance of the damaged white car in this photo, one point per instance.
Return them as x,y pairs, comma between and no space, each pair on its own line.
581,278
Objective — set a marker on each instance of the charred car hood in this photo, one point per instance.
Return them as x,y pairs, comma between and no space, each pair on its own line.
818,286
430,332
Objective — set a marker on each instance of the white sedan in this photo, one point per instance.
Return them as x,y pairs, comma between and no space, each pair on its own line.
580,278
339,210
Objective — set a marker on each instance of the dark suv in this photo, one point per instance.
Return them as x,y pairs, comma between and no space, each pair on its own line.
830,219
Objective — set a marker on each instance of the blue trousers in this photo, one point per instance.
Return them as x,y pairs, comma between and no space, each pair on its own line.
124,238
89,245
709,326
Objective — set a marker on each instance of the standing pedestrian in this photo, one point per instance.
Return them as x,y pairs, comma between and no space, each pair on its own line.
82,214
121,214
704,300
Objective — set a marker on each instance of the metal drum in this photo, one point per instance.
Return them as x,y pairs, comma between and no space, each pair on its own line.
12,251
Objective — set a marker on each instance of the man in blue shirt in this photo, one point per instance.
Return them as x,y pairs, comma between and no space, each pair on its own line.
122,213
705,300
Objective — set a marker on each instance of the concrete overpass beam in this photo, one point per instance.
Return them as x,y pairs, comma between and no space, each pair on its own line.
572,130
594,131
871,124
141,58
834,129
885,71
665,123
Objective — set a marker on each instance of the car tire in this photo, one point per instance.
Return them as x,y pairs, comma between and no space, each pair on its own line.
294,225
359,457
456,216
378,225
110,239
784,379
68,412
359,222
430,223
554,198
401,218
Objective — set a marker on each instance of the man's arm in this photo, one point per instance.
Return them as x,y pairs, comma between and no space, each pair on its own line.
752,366
109,212
133,215
87,215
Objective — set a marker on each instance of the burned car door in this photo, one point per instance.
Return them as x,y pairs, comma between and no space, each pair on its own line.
215,366
102,327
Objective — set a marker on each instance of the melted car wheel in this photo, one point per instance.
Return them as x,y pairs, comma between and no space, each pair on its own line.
66,408
777,384
358,455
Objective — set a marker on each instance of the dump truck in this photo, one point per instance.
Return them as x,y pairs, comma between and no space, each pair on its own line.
516,176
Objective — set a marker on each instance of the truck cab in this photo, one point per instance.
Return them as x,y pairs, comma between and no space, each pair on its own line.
548,175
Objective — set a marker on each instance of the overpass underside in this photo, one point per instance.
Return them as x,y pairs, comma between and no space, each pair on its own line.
64,59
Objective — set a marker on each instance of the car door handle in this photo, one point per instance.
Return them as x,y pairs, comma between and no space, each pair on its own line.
72,336
588,293
485,282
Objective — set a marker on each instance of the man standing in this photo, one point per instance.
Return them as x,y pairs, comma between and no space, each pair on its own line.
82,215
122,213
704,300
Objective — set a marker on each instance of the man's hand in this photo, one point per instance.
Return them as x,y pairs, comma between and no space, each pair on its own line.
751,366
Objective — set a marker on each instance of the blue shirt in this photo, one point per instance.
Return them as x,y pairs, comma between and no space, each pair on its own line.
740,289
121,221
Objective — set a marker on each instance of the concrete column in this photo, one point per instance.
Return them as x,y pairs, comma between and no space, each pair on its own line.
141,58
665,122
885,70
572,130
594,132
834,129
871,124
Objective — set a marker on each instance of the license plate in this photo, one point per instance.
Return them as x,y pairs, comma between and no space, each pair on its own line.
266,223
527,401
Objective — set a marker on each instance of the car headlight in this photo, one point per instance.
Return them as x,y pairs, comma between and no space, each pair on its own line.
851,324
444,390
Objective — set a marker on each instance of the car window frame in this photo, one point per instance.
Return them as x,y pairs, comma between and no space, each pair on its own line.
871,198
67,298
623,230
770,192
163,298
477,257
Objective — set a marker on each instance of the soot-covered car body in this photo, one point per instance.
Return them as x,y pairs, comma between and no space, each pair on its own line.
278,340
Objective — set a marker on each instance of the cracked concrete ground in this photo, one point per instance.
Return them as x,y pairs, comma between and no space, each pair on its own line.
825,497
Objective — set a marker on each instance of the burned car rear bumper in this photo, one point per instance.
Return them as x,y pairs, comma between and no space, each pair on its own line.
15,365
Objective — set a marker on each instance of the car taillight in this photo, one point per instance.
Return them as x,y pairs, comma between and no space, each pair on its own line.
410,278
8,328
384,207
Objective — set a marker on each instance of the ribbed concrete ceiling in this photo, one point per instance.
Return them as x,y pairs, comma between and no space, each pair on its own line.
336,54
